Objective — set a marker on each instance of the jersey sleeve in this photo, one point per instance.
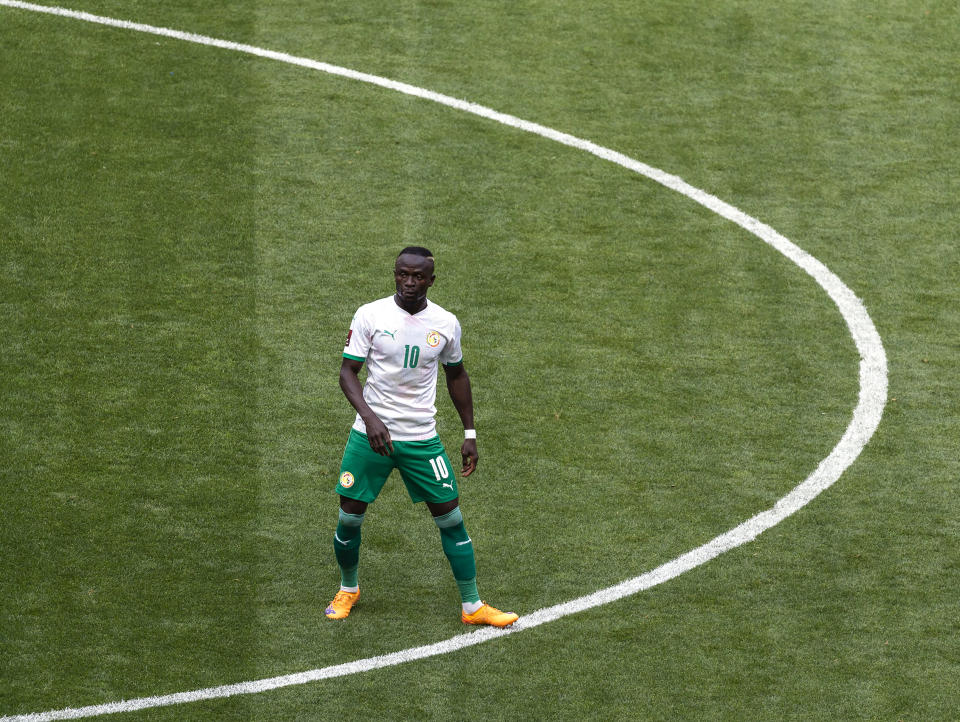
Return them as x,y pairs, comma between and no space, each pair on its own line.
452,353
359,338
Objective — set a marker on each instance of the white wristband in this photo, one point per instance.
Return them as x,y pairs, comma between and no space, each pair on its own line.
469,433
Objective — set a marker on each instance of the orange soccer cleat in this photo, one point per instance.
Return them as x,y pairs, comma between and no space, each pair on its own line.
489,615
341,605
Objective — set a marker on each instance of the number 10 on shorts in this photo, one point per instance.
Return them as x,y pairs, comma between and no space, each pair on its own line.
440,469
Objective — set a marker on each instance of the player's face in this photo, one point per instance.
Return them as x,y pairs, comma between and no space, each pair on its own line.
414,275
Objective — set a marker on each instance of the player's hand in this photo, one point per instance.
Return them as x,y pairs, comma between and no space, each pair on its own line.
470,456
378,436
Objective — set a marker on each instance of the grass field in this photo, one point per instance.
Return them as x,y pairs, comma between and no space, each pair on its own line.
186,231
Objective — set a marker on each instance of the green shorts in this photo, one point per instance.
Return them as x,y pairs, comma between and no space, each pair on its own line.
424,467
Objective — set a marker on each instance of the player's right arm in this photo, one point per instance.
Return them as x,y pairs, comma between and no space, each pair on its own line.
377,433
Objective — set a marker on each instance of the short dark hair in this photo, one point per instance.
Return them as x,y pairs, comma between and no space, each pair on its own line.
416,251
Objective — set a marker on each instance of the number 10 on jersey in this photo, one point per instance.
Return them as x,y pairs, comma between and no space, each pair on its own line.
411,356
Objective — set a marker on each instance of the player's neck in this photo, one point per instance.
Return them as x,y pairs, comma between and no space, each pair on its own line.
413,309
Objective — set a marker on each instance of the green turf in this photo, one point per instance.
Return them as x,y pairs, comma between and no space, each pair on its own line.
186,232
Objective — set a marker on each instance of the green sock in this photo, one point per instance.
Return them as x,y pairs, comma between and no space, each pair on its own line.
346,545
459,550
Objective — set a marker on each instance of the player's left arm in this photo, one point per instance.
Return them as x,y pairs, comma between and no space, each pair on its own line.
458,384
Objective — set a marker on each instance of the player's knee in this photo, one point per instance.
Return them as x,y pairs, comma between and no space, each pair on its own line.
450,519
353,506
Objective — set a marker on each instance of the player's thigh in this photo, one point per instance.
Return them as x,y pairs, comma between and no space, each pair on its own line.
363,472
426,470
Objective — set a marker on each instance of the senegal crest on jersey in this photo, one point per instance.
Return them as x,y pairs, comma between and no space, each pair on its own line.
433,339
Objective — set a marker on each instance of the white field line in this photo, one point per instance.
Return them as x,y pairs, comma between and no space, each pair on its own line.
866,415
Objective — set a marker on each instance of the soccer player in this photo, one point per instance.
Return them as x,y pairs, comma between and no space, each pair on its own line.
404,339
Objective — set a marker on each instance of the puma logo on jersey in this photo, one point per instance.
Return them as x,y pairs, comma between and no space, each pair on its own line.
393,335
449,486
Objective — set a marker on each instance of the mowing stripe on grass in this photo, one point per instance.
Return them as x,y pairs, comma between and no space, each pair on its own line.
866,415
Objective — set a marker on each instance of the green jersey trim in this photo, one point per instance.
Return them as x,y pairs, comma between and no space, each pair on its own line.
455,363
354,358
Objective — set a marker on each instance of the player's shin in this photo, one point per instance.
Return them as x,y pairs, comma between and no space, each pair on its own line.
459,550
346,546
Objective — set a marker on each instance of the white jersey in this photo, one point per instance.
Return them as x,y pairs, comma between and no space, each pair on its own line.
402,352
